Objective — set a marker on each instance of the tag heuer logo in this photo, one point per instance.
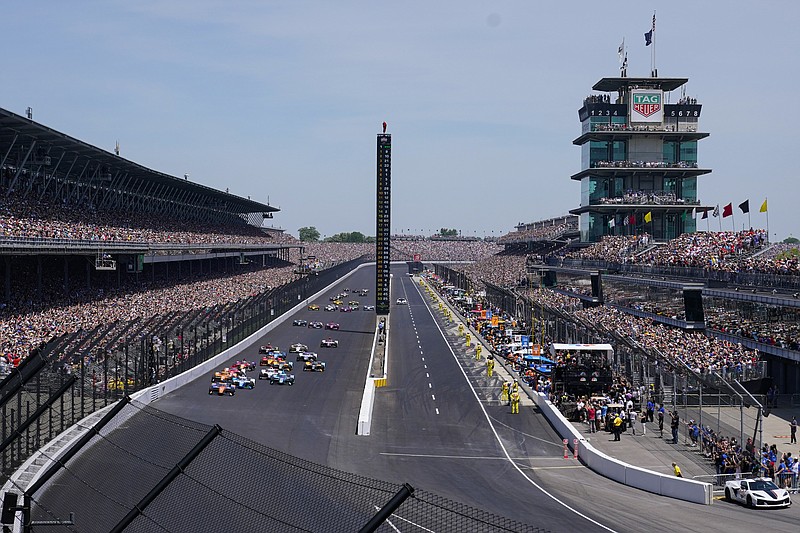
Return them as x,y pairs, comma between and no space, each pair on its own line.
646,104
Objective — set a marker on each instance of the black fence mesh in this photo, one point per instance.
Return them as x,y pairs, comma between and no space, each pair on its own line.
233,484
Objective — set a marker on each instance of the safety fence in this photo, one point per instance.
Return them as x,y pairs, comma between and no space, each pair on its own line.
231,482
68,378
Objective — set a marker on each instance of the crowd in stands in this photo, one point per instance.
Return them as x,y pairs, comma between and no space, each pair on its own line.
28,325
645,197
714,250
538,234
614,248
442,250
701,353
643,164
783,332
615,126
28,219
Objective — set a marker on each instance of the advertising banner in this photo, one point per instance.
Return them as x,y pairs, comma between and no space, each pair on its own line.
647,105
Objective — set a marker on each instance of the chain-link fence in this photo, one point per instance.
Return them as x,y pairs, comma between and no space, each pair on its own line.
172,474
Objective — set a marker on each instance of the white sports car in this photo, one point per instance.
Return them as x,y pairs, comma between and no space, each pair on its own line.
757,492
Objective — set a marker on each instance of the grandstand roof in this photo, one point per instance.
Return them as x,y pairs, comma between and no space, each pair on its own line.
615,84
673,172
676,136
15,129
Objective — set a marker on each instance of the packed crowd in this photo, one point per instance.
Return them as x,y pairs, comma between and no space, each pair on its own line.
540,233
783,332
645,197
714,250
443,250
499,270
643,164
614,248
28,325
701,353
615,126
27,219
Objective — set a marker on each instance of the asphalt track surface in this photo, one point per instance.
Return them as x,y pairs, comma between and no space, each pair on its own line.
438,426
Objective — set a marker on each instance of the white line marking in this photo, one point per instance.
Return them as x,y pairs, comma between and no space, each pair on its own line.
389,521
427,375
437,410
426,366
433,397
499,440
430,386
423,358
498,458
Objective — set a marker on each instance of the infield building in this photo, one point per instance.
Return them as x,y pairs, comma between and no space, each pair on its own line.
639,164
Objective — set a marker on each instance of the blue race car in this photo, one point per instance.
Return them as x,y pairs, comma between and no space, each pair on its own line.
282,378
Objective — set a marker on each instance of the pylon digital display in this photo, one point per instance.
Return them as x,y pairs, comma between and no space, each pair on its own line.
382,224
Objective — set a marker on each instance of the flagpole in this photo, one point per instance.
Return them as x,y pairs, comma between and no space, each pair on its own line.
653,59
733,220
767,212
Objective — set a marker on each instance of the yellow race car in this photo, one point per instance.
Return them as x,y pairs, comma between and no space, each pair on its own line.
313,307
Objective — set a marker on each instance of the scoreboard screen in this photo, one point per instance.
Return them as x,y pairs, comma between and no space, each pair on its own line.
382,231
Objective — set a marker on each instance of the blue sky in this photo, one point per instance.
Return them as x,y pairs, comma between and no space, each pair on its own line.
281,100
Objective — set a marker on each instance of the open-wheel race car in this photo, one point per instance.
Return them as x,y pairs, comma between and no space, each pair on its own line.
329,343
314,366
221,388
281,378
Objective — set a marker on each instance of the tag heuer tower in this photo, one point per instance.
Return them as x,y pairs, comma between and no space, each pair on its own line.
638,159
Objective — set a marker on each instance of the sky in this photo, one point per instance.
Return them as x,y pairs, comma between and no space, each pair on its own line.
281,100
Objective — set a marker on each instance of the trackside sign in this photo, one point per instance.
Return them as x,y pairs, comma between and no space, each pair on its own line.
647,106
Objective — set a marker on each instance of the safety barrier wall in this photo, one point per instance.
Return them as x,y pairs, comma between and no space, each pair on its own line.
364,424
633,476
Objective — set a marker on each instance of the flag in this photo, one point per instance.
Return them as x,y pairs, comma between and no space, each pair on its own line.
625,221
384,127
763,207
715,213
727,210
632,220
611,223
648,217
705,214
745,206
648,37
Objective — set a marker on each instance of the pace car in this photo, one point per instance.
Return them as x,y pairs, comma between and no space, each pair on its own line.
300,322
281,378
314,366
298,348
329,343
307,356
315,325
331,325
757,492
221,388
402,301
